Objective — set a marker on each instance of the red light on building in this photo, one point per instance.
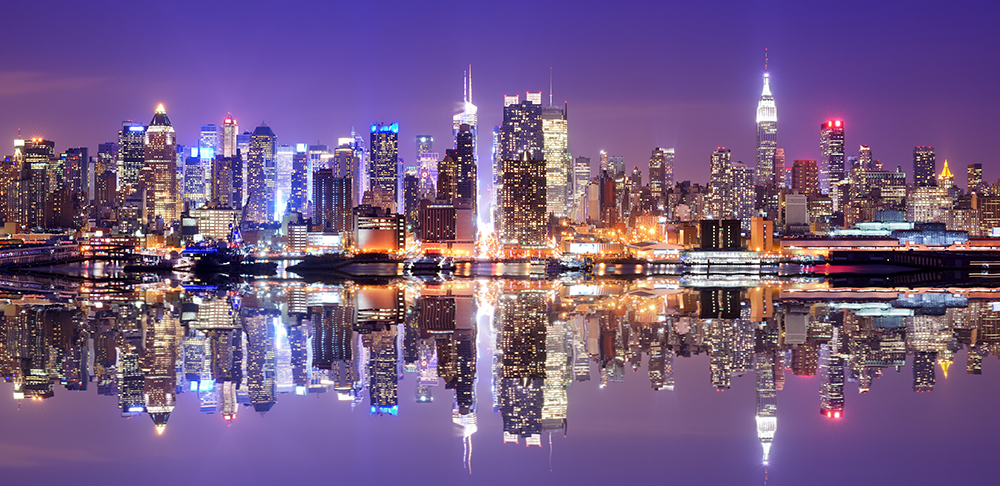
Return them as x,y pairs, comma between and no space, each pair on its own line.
838,123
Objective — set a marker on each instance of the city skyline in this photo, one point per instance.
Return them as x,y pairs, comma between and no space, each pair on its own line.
662,110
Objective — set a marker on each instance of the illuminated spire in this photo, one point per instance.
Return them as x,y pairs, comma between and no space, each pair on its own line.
766,110
945,363
946,173
160,109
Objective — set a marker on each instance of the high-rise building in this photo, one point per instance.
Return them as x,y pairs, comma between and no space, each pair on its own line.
557,159
298,197
465,160
261,175
743,194
522,201
131,155
767,136
720,185
194,179
107,155
209,147
161,158
661,173
581,176
383,168
283,177
805,177
333,201
230,129
222,181
831,163
924,166
520,132
468,116
974,178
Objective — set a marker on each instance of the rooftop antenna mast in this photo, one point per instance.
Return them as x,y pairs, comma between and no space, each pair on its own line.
465,87
550,85
470,83
765,59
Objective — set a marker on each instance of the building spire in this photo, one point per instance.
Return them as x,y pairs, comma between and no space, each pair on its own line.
470,83
550,85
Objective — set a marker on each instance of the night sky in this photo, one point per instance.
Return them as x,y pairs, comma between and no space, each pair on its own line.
636,74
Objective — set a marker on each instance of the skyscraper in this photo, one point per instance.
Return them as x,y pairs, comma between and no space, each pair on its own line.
131,149
924,166
465,160
230,129
383,168
161,158
468,116
720,184
261,176
974,177
209,147
333,201
661,173
522,201
557,159
831,163
298,197
581,176
283,177
743,194
767,136
425,144
805,177
520,132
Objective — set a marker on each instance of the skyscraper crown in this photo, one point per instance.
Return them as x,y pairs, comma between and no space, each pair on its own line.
766,111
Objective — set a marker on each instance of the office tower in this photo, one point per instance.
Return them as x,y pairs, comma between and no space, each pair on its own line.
222,181
230,130
923,370
805,177
974,178
382,374
106,193
209,147
767,137
946,179
720,185
522,317
383,166
581,176
333,201
661,173
522,201
831,163
831,373
261,362
411,197
555,140
159,363
447,181
283,177
261,176
298,198
520,132
239,178
194,179
107,154
743,194
131,155
924,166
161,159
468,116
465,160
243,149
865,160
781,174
76,173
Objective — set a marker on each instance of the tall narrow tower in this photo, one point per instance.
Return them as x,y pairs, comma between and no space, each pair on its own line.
767,136
161,159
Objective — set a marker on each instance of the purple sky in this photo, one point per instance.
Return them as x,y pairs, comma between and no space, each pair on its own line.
636,74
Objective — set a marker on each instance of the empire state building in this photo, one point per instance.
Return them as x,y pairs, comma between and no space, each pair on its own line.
767,136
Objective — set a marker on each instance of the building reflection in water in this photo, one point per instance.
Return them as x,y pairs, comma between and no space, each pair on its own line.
532,340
